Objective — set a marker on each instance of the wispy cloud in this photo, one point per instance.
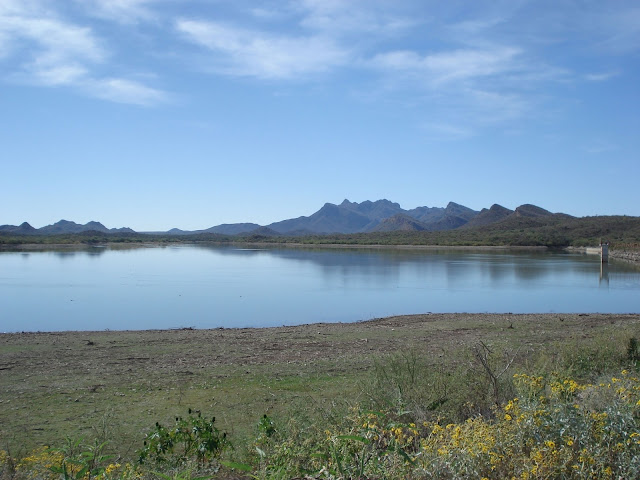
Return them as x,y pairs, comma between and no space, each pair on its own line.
354,17
601,77
302,38
122,11
447,66
51,40
619,29
599,146
54,52
246,52
126,91
438,53
466,89
446,132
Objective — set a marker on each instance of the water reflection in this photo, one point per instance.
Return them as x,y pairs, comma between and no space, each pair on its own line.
68,254
211,286
604,274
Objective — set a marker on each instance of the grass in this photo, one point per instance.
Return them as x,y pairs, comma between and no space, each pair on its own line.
114,386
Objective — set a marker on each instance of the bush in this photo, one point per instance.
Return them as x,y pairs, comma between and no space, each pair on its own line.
193,438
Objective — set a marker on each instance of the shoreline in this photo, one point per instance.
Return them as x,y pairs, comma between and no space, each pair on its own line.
394,321
115,246
630,256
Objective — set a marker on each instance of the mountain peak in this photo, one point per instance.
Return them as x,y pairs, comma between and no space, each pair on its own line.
528,210
497,208
491,215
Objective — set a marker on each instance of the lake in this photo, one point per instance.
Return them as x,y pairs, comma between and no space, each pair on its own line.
210,286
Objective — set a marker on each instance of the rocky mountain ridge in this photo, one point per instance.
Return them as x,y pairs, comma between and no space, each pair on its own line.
346,217
61,227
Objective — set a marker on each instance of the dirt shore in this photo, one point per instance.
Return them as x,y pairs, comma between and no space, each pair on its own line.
249,346
79,383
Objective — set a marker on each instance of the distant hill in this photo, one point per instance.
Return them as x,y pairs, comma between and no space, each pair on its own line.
427,214
453,216
374,211
400,222
62,227
232,228
344,218
528,210
489,216
177,231
262,232
22,229
353,217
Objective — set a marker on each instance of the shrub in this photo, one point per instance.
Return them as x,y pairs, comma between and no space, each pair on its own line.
192,438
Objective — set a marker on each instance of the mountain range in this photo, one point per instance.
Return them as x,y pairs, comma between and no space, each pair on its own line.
347,217
61,227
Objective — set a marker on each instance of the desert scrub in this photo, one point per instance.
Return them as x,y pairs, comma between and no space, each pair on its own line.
468,382
364,444
35,465
79,462
555,429
374,445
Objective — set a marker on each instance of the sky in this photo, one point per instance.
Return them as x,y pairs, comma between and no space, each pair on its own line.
155,114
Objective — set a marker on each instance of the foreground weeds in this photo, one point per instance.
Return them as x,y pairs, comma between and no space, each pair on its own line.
553,428
491,413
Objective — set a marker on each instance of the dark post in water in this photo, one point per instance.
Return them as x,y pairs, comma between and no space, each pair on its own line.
604,252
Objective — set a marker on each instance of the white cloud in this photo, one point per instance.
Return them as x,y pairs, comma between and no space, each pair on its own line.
51,40
126,91
355,16
245,52
122,11
59,74
601,77
454,65
54,52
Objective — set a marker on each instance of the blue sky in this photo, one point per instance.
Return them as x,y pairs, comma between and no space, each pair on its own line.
155,114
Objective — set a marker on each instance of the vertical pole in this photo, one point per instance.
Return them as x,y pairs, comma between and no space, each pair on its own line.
604,252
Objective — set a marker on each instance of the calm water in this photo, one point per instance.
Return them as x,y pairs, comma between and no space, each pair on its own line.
206,287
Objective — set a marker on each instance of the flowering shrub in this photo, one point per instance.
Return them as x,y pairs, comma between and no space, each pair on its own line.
555,428
45,463
559,429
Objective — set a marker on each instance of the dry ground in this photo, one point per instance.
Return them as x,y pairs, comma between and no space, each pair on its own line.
116,385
